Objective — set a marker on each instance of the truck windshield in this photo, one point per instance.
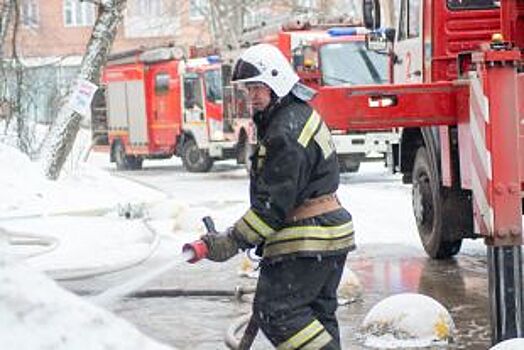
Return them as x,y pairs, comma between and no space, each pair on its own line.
473,4
213,83
351,64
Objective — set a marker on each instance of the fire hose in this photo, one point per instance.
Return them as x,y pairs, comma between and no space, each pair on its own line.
199,251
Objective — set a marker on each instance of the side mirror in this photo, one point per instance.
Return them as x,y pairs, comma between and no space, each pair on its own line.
376,42
371,14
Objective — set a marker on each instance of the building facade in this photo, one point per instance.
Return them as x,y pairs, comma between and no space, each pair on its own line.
52,34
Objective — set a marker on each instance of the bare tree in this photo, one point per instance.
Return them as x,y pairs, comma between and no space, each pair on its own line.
66,126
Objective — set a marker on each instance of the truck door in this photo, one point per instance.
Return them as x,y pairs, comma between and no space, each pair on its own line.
407,64
193,109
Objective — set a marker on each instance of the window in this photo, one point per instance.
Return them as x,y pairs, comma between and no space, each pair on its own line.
161,83
256,17
306,3
414,18
29,13
198,8
351,64
192,92
151,18
213,82
148,8
78,14
473,4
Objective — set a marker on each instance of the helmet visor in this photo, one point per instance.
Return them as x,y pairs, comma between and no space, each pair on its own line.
245,70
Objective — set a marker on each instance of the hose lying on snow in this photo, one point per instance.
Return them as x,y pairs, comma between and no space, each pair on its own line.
46,243
247,339
238,292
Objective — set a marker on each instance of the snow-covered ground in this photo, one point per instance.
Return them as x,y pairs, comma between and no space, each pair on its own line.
73,227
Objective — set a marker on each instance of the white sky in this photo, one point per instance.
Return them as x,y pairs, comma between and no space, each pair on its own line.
35,313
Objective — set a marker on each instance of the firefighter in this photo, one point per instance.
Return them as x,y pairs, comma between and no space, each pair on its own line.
302,232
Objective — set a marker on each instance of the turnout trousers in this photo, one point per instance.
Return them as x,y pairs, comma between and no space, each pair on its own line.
296,300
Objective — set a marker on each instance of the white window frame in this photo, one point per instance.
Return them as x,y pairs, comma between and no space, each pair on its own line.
151,18
82,14
311,4
198,9
30,13
149,8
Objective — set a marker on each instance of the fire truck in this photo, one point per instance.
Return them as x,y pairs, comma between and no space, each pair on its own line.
159,104
456,91
326,55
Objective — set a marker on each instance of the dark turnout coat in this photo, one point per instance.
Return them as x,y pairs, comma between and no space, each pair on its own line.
294,161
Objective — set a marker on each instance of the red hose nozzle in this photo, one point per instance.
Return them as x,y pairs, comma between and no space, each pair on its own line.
198,249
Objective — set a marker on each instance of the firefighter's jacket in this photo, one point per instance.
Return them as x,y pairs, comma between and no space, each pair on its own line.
294,161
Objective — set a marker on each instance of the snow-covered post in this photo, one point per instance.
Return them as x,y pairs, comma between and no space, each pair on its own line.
66,126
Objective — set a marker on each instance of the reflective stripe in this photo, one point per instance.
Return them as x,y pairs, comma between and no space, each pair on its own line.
248,233
309,129
325,141
319,342
303,336
257,223
312,232
309,245
310,239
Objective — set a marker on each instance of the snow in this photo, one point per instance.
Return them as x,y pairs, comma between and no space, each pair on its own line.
511,344
74,227
407,321
37,314
47,226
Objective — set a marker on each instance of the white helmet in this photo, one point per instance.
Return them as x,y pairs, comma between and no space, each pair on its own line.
265,63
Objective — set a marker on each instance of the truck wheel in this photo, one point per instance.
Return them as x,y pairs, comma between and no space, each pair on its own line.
349,163
124,161
135,162
120,157
433,213
194,159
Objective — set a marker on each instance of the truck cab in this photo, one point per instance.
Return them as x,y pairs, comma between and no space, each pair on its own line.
328,56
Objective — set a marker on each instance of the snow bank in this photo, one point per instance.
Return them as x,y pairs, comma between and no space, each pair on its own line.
26,192
36,314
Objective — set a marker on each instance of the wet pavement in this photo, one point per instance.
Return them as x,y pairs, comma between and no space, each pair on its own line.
201,322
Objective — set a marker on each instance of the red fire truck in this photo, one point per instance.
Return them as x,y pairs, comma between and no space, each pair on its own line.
456,90
327,55
159,104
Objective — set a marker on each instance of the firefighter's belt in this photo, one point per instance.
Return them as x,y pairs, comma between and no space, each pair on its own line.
314,207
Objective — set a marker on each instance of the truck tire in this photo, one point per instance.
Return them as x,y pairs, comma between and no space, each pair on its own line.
433,212
120,157
135,162
194,159
124,161
350,163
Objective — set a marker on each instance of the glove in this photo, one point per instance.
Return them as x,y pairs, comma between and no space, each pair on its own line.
221,247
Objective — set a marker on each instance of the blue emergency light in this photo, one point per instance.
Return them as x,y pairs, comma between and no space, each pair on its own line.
213,59
347,31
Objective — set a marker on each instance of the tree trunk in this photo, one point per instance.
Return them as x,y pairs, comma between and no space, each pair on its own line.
66,126
5,18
